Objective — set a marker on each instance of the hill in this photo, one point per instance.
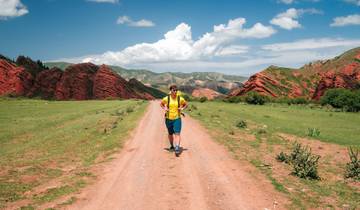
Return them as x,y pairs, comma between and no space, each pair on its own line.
26,77
218,82
310,81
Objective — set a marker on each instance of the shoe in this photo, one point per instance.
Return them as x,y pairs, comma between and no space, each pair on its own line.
172,148
177,150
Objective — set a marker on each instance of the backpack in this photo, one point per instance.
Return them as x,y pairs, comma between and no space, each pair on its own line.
168,105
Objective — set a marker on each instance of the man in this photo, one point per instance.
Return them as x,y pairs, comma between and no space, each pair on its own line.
173,104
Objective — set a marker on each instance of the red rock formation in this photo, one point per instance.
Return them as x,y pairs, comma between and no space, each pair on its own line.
45,83
348,77
76,82
205,92
108,84
14,80
257,82
311,81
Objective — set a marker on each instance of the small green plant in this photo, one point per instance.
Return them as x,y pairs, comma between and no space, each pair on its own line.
129,109
241,124
304,163
282,157
235,99
192,107
203,99
352,169
313,132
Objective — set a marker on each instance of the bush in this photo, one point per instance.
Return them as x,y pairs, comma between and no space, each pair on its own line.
304,163
313,132
343,99
203,99
241,124
235,99
192,107
352,169
129,109
186,97
282,157
255,98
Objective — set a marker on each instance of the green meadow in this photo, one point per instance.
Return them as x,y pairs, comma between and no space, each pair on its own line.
273,128
44,142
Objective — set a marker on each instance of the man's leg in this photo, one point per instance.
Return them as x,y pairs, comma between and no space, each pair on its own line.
177,139
171,140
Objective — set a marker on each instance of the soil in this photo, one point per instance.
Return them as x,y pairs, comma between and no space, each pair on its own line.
145,175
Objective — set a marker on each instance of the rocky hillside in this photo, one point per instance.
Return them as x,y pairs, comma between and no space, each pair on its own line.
77,82
216,81
310,81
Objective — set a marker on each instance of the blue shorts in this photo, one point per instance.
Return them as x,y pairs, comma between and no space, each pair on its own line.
173,126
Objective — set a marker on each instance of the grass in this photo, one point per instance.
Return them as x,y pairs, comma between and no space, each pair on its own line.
335,127
45,141
262,140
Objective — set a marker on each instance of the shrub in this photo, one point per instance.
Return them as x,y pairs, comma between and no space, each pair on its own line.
129,109
186,97
192,107
352,169
241,124
304,163
203,99
235,99
343,99
313,132
255,98
282,157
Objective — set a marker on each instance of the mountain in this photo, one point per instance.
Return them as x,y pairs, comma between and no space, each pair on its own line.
77,82
140,88
216,81
310,81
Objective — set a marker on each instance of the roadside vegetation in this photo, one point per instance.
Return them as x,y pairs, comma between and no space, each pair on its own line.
303,149
48,148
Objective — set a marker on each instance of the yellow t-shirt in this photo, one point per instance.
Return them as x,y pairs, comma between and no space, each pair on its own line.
173,109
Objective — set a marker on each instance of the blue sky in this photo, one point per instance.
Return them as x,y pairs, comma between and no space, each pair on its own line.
229,36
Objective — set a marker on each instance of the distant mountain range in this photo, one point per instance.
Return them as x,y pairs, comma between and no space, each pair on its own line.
188,82
310,81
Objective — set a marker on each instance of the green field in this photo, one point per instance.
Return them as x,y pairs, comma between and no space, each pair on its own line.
336,127
45,142
272,128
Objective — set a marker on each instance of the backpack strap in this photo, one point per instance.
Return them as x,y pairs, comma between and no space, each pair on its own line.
168,106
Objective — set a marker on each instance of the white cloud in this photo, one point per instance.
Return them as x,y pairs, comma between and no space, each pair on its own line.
105,1
347,20
286,1
293,1
178,45
310,44
128,21
232,50
12,8
356,2
288,20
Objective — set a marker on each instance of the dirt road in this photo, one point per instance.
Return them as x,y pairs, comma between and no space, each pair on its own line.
146,176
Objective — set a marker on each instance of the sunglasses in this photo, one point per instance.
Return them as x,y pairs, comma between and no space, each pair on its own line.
173,90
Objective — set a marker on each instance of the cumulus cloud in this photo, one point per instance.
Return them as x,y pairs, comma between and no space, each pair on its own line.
288,19
128,21
105,1
356,2
347,20
178,45
12,8
309,44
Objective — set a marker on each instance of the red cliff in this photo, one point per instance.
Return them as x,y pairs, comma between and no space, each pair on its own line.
14,80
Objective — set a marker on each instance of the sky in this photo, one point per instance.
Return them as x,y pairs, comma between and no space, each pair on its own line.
228,36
